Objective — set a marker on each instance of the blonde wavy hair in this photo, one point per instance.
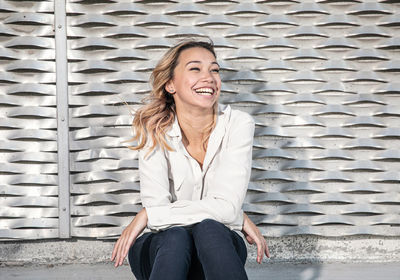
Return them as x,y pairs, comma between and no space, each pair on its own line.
157,115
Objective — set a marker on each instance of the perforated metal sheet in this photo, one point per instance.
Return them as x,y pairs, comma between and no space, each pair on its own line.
320,79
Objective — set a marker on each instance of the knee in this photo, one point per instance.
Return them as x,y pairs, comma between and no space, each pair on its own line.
171,254
209,226
210,234
210,222
176,239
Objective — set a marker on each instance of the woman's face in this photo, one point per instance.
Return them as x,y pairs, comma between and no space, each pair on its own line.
196,80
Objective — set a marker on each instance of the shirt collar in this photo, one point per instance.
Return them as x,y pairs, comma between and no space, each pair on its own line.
175,130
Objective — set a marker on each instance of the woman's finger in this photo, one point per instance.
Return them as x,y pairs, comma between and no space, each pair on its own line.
125,250
114,252
267,250
128,241
120,248
131,240
260,251
117,255
116,249
121,252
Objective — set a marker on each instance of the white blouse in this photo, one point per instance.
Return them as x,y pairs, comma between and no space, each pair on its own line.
176,191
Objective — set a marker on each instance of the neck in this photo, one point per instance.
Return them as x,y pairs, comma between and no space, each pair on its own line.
193,123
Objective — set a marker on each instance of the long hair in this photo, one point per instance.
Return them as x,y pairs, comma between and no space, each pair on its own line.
158,113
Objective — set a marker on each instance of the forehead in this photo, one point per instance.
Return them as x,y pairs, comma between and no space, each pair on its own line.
196,54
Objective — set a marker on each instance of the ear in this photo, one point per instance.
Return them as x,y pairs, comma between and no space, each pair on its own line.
169,87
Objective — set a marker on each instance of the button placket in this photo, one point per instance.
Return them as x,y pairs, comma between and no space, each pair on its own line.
198,179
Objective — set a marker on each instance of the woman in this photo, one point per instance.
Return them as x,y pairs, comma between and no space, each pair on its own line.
194,164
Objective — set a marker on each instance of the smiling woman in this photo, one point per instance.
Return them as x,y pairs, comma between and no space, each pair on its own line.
194,163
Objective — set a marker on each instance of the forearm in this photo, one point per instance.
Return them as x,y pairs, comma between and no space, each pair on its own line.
185,212
128,236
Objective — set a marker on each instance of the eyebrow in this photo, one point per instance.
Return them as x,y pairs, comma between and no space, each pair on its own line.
197,61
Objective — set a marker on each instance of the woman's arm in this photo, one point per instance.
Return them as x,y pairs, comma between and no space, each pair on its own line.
253,235
128,237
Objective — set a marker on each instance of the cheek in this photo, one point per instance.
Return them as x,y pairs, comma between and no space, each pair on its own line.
186,79
218,81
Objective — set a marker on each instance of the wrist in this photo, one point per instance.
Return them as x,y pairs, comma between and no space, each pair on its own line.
143,212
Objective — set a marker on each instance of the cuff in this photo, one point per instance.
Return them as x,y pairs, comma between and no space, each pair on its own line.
157,217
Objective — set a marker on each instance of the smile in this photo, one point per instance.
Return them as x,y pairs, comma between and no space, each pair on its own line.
204,91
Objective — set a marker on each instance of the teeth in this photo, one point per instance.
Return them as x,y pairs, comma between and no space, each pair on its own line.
204,91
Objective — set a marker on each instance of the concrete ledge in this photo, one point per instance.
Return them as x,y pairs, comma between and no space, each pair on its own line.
282,271
309,249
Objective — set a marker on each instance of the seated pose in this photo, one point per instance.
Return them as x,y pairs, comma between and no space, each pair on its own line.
194,163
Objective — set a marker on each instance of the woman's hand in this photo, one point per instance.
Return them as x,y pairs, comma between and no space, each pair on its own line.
253,235
128,237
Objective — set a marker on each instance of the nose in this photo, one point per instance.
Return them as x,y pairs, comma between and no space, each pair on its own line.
208,77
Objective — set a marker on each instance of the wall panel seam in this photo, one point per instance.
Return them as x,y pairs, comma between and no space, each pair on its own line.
62,118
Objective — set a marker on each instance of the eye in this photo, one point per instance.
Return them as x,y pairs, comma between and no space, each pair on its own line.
216,70
194,69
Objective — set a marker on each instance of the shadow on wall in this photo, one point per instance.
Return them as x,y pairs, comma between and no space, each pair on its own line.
298,246
286,211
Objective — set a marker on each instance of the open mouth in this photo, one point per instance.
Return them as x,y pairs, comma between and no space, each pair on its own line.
204,91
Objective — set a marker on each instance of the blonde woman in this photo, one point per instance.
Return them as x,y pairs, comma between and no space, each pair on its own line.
194,164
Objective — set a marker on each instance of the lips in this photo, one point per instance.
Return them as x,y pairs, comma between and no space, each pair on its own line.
205,91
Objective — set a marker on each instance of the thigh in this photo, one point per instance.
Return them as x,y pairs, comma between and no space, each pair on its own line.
196,270
162,255
139,257
174,242
211,234
215,234
221,251
240,246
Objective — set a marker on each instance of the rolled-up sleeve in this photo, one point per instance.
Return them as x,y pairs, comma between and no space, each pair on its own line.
226,191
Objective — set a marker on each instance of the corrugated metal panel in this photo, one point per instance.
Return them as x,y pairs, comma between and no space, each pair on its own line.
320,79
28,125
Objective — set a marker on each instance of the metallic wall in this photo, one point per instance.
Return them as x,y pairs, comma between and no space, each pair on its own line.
28,124
320,79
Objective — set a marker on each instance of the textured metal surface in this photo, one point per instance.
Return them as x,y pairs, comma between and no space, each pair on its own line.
60,23
28,138
317,77
320,79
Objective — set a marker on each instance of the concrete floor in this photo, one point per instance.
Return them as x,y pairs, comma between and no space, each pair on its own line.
281,271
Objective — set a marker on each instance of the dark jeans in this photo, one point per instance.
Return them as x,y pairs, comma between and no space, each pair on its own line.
210,251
